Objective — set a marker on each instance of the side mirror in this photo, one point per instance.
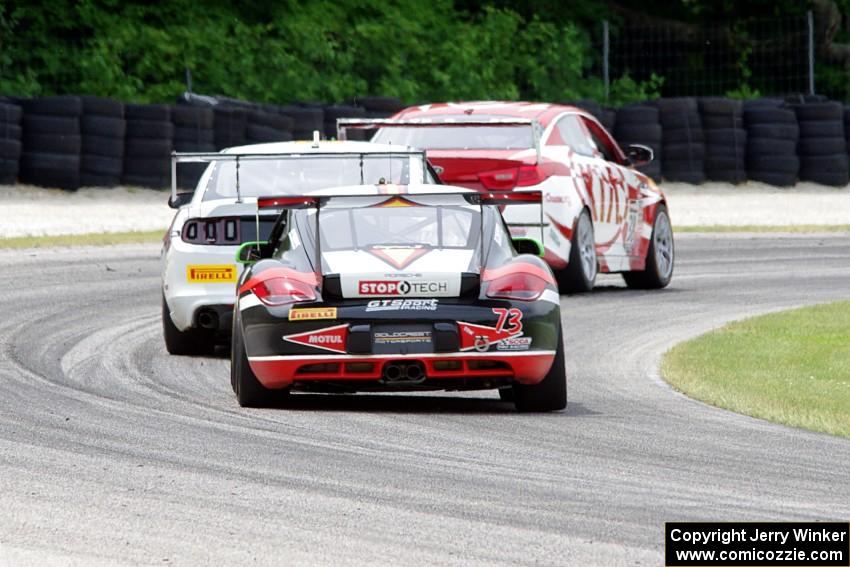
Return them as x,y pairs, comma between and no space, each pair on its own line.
250,252
524,245
640,154
180,200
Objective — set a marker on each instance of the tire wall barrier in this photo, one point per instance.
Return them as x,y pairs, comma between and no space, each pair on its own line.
73,141
10,140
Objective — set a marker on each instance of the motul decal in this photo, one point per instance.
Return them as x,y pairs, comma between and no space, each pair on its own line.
481,338
330,338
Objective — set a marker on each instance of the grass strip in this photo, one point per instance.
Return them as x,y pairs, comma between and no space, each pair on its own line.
791,367
97,239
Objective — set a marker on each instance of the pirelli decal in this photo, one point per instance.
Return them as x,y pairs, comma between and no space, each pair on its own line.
313,314
211,273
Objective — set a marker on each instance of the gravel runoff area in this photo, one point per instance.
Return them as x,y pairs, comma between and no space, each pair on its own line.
32,211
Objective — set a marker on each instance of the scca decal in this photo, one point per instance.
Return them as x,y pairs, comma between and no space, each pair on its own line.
329,338
384,287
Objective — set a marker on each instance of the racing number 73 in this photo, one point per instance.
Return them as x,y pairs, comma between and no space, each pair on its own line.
513,318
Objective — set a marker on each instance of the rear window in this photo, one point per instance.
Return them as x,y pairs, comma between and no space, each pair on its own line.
401,226
459,137
305,174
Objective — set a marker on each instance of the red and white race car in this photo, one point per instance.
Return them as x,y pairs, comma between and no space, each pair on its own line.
599,213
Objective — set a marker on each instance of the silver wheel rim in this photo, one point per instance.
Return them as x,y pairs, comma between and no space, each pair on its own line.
587,247
663,242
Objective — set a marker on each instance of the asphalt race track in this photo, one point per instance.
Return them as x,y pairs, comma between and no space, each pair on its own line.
113,452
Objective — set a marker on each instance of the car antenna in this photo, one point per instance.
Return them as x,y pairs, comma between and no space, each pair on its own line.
238,190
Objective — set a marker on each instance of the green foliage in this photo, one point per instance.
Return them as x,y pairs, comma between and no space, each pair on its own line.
319,50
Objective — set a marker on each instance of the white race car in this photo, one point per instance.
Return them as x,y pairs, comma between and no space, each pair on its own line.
199,268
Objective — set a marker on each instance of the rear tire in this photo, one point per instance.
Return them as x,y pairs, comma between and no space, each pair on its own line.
249,392
659,259
184,343
580,274
550,394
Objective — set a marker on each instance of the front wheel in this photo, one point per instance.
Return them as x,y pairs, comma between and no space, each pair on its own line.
659,259
549,394
580,274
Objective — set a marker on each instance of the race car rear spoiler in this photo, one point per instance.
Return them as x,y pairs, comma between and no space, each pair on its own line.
473,198
209,157
343,124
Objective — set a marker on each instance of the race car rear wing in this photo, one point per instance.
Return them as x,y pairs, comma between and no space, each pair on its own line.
343,124
209,157
473,198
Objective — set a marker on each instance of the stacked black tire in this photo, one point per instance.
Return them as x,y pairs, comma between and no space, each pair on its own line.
847,127
50,154
683,142
10,141
725,139
772,135
306,119
822,146
640,125
264,127
379,106
332,113
231,126
193,132
103,129
147,145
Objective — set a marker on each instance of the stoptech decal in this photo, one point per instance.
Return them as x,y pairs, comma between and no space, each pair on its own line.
481,338
212,273
312,314
394,285
384,287
330,338
402,305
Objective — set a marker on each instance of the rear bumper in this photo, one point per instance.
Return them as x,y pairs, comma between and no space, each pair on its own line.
277,372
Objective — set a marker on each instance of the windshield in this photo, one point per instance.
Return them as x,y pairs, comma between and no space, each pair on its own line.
304,174
459,137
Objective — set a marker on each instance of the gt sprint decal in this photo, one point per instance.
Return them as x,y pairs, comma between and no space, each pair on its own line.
211,273
481,338
330,338
402,305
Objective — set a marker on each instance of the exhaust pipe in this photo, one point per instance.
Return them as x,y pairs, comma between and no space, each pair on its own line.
208,319
404,373
392,372
414,373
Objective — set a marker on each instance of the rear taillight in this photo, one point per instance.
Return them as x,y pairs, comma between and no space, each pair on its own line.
212,231
505,179
502,179
281,291
518,285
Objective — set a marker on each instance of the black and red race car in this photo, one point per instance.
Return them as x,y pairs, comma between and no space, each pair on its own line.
397,288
